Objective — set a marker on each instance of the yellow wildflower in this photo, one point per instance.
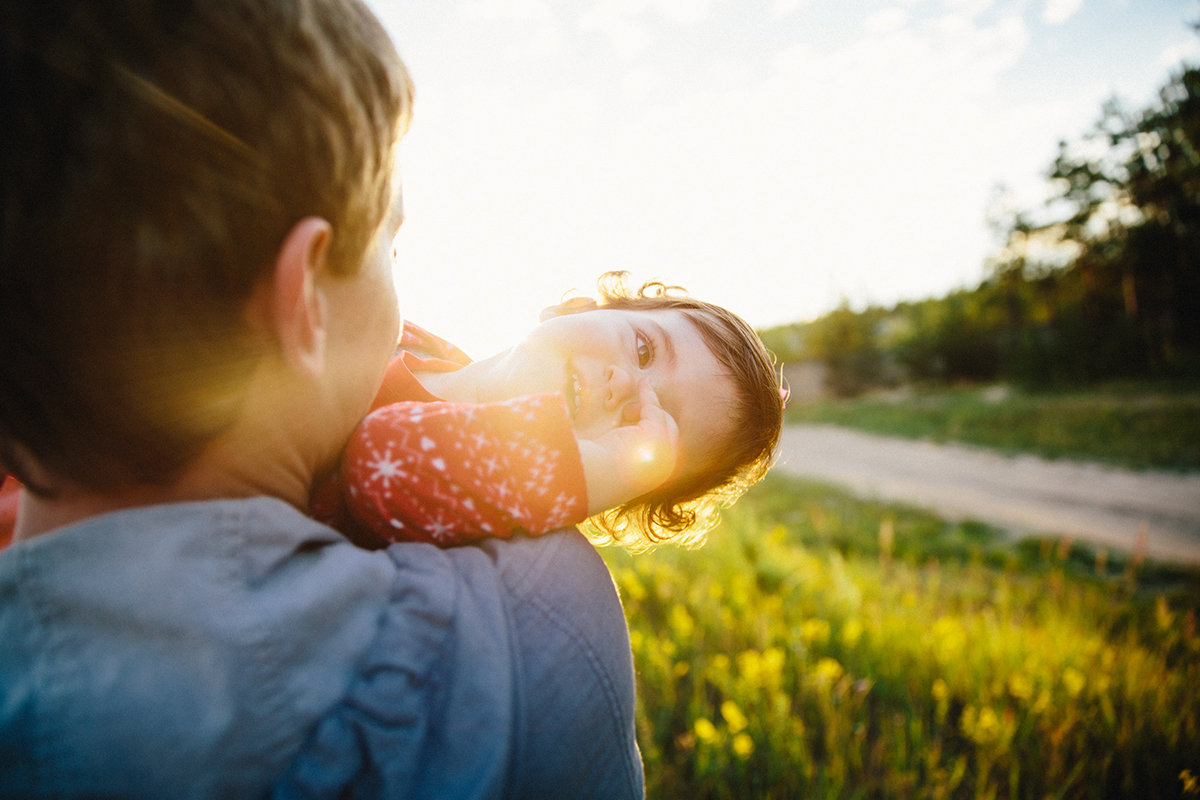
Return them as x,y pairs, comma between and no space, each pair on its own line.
631,587
988,723
681,621
981,726
1020,686
773,658
743,745
1074,681
828,670
705,730
733,716
814,631
750,666
1191,783
851,632
1162,613
949,638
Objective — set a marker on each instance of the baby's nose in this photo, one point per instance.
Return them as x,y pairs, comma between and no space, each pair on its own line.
620,387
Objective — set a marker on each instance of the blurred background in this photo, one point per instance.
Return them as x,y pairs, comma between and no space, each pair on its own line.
958,221
780,157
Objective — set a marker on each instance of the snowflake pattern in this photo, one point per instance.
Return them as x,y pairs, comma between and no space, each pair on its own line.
450,473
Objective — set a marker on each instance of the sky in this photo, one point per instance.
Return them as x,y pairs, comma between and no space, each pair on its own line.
778,157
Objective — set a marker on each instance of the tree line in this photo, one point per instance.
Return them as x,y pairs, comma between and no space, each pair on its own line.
1101,283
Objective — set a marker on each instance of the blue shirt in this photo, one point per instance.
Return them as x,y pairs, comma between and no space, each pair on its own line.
236,648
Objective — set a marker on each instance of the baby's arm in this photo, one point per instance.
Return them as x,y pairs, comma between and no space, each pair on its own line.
450,473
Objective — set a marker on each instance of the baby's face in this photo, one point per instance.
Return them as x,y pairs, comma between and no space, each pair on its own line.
596,358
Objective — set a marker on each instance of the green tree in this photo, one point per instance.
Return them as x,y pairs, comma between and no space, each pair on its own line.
848,344
1103,282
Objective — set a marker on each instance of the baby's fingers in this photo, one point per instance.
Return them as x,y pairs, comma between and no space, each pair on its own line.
646,394
653,417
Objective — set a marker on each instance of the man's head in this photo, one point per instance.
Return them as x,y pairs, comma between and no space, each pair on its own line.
160,155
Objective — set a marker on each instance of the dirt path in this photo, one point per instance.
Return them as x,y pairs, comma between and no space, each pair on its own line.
1023,494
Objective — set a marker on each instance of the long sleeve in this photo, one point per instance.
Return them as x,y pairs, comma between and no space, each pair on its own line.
450,473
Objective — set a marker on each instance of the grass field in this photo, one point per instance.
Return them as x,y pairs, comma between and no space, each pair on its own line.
822,646
1132,426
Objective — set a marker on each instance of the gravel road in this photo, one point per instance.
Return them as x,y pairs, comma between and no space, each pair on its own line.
1026,495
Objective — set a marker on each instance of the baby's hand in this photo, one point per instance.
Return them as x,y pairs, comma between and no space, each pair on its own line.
632,459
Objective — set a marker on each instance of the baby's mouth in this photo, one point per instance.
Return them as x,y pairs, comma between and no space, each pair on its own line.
574,394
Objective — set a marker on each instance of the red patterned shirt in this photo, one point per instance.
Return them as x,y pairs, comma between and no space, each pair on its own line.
418,468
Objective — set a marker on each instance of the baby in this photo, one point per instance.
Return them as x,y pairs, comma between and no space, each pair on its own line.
642,412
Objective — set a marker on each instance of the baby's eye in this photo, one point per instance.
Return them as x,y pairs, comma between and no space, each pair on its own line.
645,350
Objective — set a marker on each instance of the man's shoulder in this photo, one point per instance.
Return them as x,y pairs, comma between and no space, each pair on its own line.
526,673
576,681
561,573
189,645
223,646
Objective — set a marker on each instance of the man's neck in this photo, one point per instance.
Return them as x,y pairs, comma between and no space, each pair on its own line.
37,515
289,481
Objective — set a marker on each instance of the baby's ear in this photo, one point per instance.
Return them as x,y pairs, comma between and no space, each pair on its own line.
572,305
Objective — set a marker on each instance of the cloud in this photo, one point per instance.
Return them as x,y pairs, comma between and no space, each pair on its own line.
785,8
858,171
971,8
505,9
538,31
627,23
684,12
1057,12
886,20
1186,50
934,62
619,21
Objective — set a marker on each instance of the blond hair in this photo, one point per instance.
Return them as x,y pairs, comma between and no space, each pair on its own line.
157,158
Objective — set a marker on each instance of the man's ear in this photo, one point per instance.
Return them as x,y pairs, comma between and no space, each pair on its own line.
572,305
297,307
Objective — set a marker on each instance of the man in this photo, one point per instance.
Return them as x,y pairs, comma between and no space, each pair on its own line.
196,307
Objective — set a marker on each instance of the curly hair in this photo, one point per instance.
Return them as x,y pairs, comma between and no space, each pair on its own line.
684,511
